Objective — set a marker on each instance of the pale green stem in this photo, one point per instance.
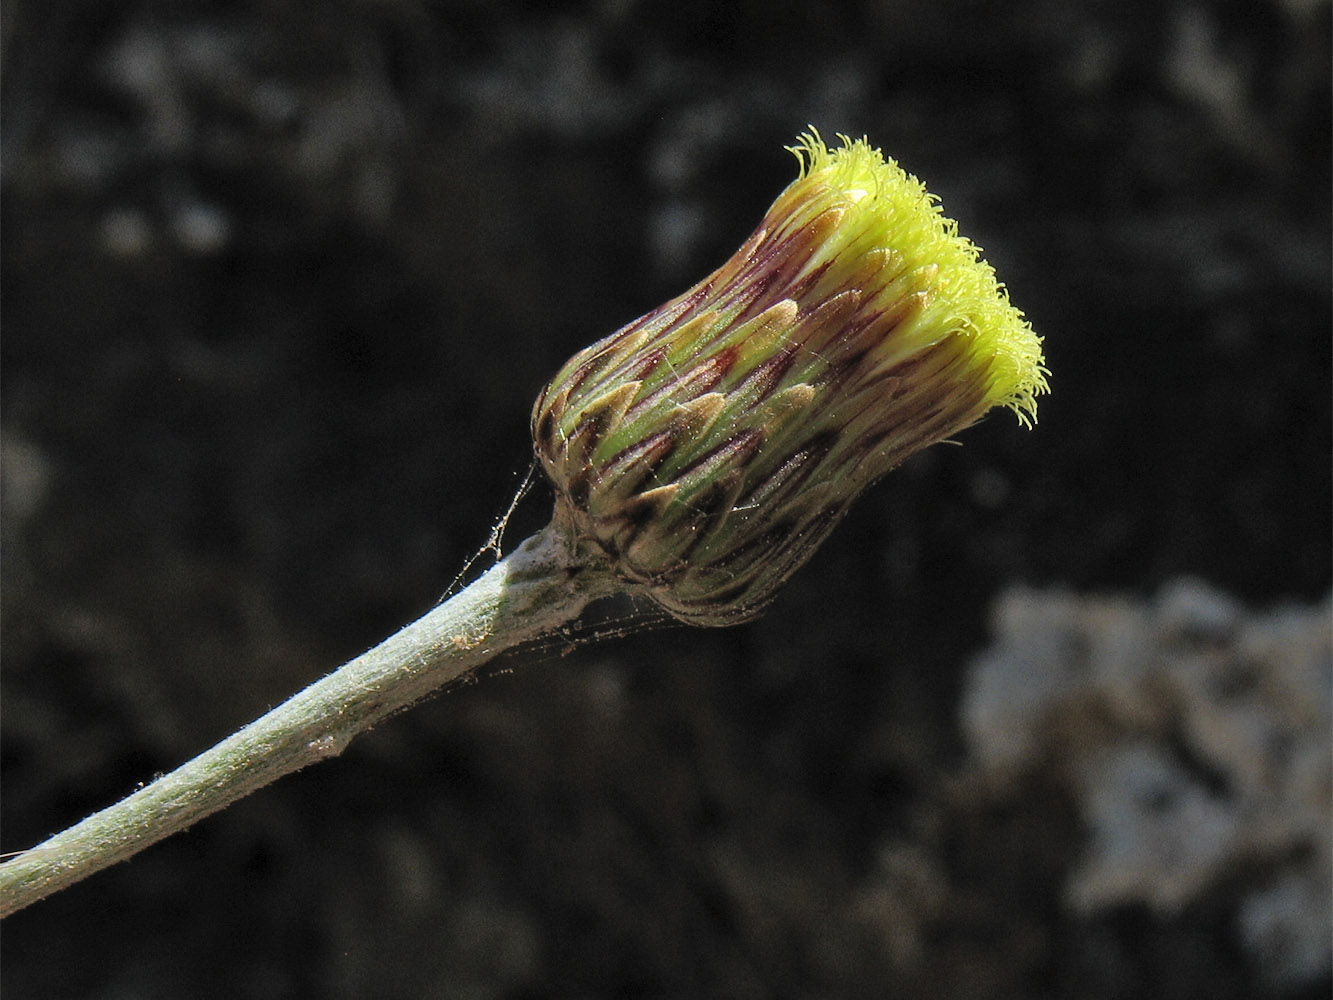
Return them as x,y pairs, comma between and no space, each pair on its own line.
534,591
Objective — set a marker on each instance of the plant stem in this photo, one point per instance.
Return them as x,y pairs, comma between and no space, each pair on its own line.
539,587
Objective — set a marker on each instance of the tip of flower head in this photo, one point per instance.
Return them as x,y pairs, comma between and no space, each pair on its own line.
886,207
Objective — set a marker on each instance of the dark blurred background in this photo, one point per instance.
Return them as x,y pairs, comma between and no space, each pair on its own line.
280,283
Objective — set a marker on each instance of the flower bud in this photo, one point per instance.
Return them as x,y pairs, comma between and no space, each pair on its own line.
706,449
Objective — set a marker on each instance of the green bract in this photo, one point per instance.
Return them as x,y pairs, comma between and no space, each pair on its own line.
707,448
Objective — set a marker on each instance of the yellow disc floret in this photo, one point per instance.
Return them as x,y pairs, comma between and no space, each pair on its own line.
888,208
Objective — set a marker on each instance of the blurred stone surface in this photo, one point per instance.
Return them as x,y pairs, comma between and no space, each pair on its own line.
1197,741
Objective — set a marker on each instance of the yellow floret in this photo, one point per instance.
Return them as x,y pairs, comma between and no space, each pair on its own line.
887,208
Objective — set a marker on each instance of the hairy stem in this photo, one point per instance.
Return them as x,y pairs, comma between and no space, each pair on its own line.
538,588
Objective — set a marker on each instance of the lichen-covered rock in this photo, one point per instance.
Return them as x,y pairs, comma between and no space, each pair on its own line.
1194,736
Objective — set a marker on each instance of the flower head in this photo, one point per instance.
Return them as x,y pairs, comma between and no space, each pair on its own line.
707,448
